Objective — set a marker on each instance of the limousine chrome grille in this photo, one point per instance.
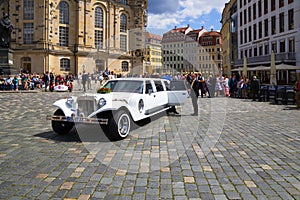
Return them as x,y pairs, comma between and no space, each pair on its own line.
87,105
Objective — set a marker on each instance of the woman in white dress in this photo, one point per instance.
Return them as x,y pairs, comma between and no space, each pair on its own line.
219,85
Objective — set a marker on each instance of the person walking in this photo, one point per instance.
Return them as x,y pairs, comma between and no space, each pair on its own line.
195,94
211,84
201,83
255,88
218,85
46,80
226,86
84,80
89,81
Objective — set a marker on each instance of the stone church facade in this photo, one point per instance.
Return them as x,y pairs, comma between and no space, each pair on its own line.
71,36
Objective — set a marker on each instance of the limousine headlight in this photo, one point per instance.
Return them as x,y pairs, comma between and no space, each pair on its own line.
70,101
102,102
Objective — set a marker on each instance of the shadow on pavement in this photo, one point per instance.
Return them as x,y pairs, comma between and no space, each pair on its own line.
70,137
94,133
291,108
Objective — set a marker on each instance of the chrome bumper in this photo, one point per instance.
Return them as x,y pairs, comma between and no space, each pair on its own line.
84,120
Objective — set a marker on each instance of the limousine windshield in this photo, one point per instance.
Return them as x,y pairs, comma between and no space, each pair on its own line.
133,86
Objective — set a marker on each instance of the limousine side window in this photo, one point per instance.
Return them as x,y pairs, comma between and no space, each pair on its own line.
167,84
159,86
149,88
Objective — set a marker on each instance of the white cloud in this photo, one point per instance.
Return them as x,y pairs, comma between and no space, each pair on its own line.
188,11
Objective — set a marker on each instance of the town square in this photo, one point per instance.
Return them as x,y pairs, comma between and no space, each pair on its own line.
149,99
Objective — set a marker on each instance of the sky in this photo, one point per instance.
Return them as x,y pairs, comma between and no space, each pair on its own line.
164,15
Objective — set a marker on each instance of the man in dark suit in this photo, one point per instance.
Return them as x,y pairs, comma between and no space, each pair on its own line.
195,94
255,88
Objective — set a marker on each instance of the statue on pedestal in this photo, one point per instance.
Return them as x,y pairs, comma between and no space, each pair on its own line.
6,28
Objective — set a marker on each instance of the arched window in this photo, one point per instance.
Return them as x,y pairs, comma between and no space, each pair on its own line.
98,17
64,23
99,26
63,12
125,67
64,64
123,23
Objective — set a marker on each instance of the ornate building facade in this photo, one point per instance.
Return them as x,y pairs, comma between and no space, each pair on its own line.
71,36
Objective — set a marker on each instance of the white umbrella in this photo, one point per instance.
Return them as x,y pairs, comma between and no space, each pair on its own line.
273,79
245,66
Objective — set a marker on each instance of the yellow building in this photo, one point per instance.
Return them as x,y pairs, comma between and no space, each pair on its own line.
63,36
229,36
153,53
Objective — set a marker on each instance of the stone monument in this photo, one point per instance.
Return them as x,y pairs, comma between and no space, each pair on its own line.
6,54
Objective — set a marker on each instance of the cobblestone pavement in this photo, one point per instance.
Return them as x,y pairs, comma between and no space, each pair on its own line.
236,149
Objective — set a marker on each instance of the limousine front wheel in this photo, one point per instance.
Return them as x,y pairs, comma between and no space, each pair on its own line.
120,125
61,127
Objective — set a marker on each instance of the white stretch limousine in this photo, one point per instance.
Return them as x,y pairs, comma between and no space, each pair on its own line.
118,104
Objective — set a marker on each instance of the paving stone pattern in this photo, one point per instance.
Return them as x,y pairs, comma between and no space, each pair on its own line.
235,149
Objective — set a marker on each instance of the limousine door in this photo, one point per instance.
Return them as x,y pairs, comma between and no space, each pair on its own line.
177,93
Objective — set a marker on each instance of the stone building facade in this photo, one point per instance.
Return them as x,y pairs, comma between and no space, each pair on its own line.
153,53
71,36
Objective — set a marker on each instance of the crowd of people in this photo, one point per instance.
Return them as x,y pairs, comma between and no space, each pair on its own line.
216,85
35,81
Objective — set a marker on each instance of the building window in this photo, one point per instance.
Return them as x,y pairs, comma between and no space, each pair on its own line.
291,19
123,23
245,16
123,43
255,51
124,2
245,35
290,1
260,30
98,17
250,33
292,45
250,53
241,18
273,25
266,4
260,51
281,22
254,11
28,10
63,12
254,32
99,39
65,64
282,46
125,67
28,33
249,14
274,47
273,3
267,49
241,36
259,8
281,3
63,36
266,27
